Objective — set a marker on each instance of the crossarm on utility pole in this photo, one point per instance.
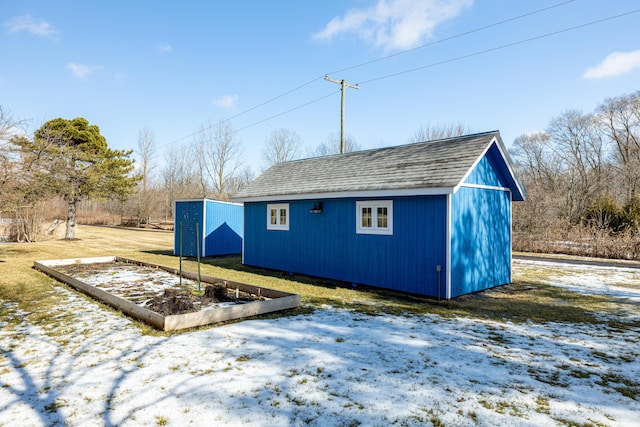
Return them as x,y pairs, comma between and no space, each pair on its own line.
343,85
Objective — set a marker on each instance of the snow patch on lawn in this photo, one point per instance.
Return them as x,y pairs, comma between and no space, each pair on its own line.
614,282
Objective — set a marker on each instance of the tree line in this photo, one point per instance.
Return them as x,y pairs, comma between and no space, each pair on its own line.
582,174
65,169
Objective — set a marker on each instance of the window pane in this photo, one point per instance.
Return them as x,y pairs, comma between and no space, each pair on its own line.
366,217
382,218
283,217
274,216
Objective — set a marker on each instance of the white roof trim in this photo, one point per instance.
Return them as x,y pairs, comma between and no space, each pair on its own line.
484,187
449,241
209,200
495,141
355,194
507,161
475,163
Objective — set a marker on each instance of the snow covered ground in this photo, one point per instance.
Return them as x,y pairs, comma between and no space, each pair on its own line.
615,282
333,367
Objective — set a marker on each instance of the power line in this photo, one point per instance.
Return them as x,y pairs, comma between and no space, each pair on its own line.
466,33
493,49
382,58
287,111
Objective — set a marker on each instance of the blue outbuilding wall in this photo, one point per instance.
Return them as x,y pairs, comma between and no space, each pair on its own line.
481,228
327,245
219,227
481,240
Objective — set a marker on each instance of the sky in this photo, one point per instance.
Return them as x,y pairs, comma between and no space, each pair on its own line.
174,67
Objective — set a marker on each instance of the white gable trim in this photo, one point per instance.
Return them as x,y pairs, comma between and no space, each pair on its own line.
449,241
353,194
485,187
505,158
475,163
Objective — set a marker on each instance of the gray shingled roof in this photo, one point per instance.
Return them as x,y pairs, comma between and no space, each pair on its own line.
439,164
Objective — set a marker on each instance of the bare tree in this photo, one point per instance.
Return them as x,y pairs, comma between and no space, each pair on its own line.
21,194
146,152
178,177
242,178
281,146
10,128
332,145
619,119
219,152
537,161
7,163
201,173
578,142
540,169
431,132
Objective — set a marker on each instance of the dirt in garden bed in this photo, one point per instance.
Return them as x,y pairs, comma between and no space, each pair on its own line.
156,289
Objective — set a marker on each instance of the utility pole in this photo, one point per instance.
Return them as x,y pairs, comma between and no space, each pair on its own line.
343,85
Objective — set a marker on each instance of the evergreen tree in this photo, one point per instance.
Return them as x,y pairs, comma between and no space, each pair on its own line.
71,159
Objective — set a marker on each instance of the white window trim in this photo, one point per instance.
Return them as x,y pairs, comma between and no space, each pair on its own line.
279,207
374,205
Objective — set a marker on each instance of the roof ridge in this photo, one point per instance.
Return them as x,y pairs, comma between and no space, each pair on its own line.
389,147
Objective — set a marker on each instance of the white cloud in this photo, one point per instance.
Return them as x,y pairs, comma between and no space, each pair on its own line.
31,25
83,71
394,24
226,101
121,77
165,48
614,65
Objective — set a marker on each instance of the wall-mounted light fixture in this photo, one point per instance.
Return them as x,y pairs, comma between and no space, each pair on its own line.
317,208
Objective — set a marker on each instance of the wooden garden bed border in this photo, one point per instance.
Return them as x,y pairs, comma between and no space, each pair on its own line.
277,300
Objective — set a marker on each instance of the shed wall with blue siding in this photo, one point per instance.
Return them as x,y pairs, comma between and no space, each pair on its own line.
481,228
480,240
327,245
219,227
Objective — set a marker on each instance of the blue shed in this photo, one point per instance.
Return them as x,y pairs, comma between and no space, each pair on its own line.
219,227
430,218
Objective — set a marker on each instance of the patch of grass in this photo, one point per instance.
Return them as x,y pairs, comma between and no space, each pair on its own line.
542,405
55,405
497,338
623,385
293,372
576,373
485,404
244,358
161,420
572,423
552,378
